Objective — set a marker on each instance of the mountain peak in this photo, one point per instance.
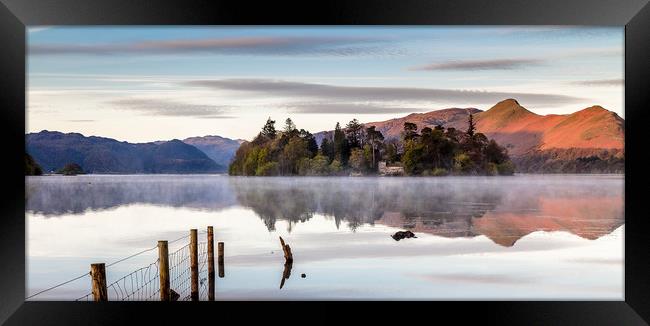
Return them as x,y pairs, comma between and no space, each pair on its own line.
505,113
596,112
509,101
523,131
594,109
508,105
219,149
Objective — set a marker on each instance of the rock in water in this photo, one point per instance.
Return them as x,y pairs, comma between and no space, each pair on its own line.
303,275
399,235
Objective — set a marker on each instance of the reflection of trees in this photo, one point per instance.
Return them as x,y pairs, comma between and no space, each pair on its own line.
362,201
504,209
449,210
272,204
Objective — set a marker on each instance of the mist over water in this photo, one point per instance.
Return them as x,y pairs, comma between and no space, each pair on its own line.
489,233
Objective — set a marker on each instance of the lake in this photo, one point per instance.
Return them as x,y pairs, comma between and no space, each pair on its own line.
526,237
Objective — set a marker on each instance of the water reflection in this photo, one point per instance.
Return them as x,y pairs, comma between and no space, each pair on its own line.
503,209
286,273
60,195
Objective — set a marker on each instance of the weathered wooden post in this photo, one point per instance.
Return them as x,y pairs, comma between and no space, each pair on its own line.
220,258
288,261
210,264
288,256
163,266
98,276
194,265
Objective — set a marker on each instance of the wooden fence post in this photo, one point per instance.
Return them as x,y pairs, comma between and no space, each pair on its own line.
288,256
98,276
210,264
163,257
220,258
194,265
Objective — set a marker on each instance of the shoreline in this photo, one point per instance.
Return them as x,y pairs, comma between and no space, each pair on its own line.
326,176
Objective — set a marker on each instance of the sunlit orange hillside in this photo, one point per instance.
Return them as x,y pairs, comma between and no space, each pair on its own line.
522,131
590,140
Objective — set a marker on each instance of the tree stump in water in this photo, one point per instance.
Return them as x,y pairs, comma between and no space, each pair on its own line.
288,257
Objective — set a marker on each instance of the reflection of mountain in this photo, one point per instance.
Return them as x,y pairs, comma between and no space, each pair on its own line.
503,209
58,195
587,217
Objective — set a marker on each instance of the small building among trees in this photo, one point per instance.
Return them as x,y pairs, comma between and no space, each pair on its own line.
384,169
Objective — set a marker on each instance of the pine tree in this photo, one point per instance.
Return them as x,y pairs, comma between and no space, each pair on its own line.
268,130
471,127
289,126
354,131
341,145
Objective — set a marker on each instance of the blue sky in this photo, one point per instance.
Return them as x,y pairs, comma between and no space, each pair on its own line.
153,83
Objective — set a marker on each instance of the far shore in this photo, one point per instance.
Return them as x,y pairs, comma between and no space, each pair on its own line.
320,176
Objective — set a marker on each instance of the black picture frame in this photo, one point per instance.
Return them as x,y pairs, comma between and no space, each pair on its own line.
15,15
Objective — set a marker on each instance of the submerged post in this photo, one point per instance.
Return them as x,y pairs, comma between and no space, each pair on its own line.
163,266
210,264
288,256
194,265
98,276
220,253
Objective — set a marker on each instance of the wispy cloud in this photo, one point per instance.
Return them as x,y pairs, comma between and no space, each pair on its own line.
496,64
341,46
595,52
515,63
161,107
347,108
357,94
599,82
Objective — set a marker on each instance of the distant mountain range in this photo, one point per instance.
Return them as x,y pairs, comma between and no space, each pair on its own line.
392,128
219,149
52,150
591,140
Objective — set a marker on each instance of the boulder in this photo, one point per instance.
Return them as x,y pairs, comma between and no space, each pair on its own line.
399,235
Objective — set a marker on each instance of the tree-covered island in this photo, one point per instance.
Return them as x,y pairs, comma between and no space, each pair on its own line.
360,150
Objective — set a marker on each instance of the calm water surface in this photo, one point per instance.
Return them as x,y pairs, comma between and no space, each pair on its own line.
522,237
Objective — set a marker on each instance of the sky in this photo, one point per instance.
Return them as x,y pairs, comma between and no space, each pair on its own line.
142,84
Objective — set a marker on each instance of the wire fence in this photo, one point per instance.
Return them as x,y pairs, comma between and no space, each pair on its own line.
203,270
180,273
143,284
